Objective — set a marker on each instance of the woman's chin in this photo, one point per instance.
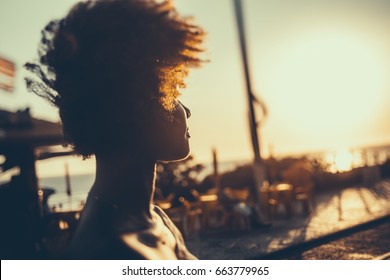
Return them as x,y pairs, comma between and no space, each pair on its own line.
176,155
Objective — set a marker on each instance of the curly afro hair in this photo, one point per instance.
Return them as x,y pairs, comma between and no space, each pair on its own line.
107,56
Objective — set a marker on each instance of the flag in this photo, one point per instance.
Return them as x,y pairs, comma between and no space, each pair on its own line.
7,74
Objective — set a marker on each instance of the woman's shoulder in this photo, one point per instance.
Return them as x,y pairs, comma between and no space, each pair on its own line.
121,240
104,238
157,241
181,249
160,241
101,246
148,245
98,236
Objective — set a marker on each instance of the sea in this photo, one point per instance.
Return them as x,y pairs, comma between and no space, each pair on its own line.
81,184
342,160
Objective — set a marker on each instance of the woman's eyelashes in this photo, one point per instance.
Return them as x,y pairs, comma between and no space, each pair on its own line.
186,109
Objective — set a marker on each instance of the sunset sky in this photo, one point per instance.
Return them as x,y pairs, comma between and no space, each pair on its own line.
321,67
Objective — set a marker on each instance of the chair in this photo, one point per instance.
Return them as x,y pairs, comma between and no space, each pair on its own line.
300,176
303,195
211,210
187,216
193,216
237,211
280,195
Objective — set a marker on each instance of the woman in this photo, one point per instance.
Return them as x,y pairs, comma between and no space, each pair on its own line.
113,69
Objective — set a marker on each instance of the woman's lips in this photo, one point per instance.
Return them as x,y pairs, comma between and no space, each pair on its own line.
188,135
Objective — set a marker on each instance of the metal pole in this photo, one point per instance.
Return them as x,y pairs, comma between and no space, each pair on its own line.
216,172
258,166
68,185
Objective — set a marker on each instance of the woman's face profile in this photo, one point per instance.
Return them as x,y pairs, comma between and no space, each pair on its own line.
168,137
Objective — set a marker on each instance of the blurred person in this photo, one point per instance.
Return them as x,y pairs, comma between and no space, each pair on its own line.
113,68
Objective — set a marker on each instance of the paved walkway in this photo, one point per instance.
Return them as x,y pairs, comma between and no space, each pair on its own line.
336,210
369,244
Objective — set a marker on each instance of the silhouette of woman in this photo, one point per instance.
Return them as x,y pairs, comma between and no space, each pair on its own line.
113,68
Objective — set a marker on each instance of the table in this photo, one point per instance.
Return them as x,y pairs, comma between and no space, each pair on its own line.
275,195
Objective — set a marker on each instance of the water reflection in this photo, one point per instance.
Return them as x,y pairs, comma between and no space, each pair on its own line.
347,159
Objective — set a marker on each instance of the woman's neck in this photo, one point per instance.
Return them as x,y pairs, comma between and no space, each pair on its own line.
125,182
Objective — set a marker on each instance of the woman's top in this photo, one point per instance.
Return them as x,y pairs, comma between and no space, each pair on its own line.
105,233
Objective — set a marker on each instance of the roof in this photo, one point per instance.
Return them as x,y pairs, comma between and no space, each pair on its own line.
20,129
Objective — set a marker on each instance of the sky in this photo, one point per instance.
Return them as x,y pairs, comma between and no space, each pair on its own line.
321,67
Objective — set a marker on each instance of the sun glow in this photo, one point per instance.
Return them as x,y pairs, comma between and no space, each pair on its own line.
339,161
332,82
343,161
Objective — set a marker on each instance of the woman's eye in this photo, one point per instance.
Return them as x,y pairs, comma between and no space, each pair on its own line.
188,111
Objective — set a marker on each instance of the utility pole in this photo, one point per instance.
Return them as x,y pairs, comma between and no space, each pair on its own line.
258,165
